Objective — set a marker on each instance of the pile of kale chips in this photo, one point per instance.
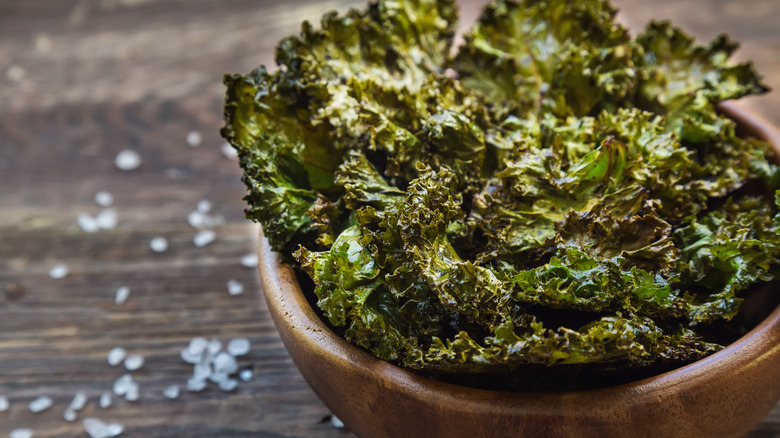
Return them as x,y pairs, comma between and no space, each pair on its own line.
555,194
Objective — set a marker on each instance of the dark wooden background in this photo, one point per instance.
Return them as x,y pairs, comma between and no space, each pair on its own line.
81,80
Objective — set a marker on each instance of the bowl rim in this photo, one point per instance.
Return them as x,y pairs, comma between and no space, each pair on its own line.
291,309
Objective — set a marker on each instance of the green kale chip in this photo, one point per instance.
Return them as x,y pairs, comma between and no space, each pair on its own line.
551,193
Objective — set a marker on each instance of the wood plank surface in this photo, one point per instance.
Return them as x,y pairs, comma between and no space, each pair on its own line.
81,80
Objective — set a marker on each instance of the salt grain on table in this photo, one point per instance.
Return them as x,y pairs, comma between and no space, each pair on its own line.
214,346
204,237
21,432
238,347
334,420
134,362
79,401
204,206
4,403
86,223
133,392
234,287
127,160
249,260
195,385
106,219
59,271
171,392
228,151
159,244
104,199
123,384
197,345
40,404
122,294
98,429
225,363
194,139
116,356
69,415
201,371
105,401
228,385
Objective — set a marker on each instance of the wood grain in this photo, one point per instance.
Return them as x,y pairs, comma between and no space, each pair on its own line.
81,80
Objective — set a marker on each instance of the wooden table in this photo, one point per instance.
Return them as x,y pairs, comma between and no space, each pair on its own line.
82,80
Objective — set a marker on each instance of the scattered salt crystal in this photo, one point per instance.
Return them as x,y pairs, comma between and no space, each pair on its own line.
127,159
171,392
4,403
159,244
249,260
188,357
69,415
98,429
59,271
201,371
245,375
21,432
105,401
228,385
15,73
238,347
123,384
86,223
195,385
122,294
228,151
197,345
79,401
334,420
204,206
218,378
234,287
104,199
225,363
115,429
106,219
132,392
40,404
194,139
204,237
214,346
134,362
196,219
116,356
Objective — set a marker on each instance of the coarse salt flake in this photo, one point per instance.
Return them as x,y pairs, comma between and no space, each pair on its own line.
204,206
238,347
127,160
104,199
159,244
69,415
122,294
98,429
4,403
234,287
106,219
228,385
59,271
171,392
204,238
105,400
228,150
249,261
123,384
225,363
116,356
334,420
246,375
87,223
134,362
193,139
40,404
79,401
195,385
21,432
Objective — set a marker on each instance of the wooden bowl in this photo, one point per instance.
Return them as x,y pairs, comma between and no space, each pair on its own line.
725,394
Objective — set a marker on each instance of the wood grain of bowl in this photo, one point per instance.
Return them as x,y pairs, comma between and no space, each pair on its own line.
724,394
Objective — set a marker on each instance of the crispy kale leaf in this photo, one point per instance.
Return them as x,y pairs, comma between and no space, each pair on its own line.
555,193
